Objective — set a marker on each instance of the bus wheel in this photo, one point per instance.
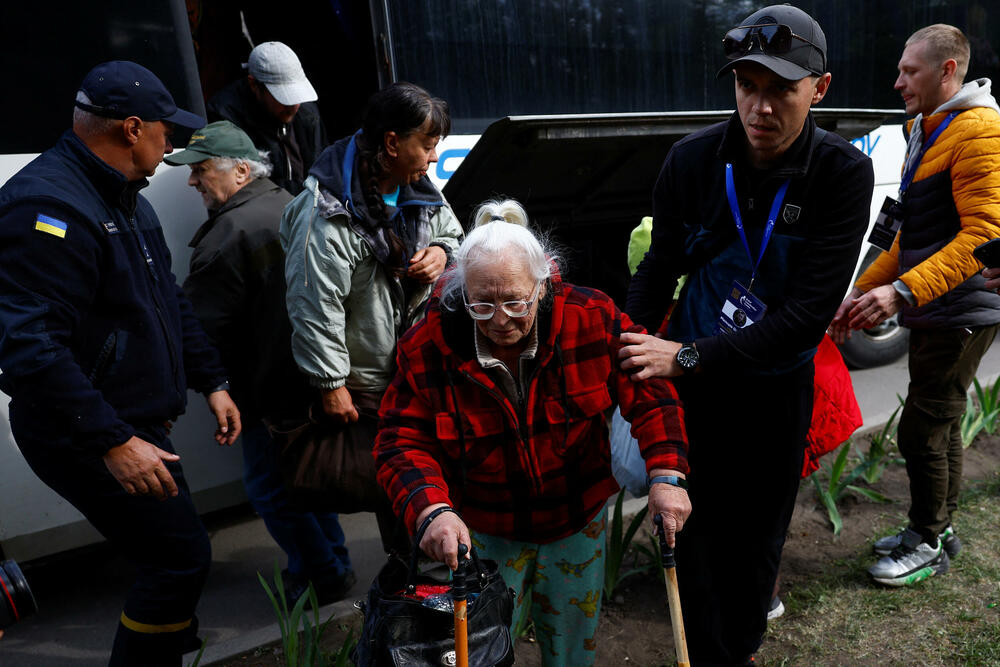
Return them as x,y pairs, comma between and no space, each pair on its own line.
880,345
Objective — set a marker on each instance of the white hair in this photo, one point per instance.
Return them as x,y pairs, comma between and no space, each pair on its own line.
258,168
501,233
89,123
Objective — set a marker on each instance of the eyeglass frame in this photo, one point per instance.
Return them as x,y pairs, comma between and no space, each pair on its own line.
760,43
502,306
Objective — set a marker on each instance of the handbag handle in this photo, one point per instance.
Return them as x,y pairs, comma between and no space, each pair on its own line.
411,586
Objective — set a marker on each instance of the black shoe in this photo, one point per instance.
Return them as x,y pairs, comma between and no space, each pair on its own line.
329,587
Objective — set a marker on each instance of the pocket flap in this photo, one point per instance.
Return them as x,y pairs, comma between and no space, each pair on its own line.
477,423
582,404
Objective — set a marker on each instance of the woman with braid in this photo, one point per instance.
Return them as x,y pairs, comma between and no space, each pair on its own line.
364,242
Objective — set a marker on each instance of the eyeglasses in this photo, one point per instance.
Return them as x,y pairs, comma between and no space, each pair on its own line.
775,39
484,311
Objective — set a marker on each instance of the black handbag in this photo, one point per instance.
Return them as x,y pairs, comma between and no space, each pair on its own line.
400,629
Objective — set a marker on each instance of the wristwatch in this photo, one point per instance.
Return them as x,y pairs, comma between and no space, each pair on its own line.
687,357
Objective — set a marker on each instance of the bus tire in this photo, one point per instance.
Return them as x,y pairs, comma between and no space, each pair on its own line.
877,346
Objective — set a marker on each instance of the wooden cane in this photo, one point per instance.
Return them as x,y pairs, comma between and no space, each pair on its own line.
458,595
673,596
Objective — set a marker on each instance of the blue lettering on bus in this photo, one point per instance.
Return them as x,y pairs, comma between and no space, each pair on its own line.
865,144
450,154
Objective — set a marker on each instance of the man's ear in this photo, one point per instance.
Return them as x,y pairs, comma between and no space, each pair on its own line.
948,69
254,86
822,85
132,129
242,172
391,143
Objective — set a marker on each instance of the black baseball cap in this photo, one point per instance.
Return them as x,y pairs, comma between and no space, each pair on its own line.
121,88
806,55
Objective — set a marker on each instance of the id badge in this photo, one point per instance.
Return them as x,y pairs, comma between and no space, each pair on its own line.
740,310
886,224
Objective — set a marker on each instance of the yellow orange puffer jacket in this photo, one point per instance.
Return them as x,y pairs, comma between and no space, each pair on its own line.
952,206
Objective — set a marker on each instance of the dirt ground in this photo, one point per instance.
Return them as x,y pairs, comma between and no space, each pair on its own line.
631,631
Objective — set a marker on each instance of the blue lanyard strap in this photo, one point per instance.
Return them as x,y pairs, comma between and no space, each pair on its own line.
912,171
734,206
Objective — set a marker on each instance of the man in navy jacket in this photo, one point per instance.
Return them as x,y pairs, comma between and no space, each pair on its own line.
98,347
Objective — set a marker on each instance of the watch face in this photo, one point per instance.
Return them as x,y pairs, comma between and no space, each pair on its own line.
687,357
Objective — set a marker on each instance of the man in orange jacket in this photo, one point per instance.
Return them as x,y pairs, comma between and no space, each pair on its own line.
949,203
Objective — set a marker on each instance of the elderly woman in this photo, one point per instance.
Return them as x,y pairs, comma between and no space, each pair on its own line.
499,409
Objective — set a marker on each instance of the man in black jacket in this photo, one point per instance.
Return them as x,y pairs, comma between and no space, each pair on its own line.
765,214
276,105
98,348
237,288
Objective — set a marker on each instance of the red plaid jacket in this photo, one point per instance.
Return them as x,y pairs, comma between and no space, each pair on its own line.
536,475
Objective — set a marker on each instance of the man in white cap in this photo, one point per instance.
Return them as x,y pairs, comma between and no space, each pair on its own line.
276,106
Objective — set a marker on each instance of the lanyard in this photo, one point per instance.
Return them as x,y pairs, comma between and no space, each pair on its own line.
734,206
911,172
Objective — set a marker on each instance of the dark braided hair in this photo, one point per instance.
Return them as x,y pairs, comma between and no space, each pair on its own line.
403,108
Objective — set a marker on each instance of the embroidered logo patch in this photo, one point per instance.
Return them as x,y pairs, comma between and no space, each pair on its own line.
791,213
44,223
110,227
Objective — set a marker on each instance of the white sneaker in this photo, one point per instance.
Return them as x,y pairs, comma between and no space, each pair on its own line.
776,609
884,546
910,562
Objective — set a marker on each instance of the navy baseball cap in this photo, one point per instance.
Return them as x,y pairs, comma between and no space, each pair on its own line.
120,88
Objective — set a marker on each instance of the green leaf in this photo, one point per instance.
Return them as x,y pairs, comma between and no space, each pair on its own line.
831,506
870,494
838,469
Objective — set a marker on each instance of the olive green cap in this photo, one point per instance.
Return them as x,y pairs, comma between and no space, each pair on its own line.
218,139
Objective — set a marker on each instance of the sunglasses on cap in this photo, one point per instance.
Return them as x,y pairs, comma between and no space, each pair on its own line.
775,39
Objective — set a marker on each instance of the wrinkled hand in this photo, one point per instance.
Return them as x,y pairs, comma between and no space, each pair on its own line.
339,405
671,503
652,356
427,264
138,467
875,306
441,538
992,278
838,329
227,415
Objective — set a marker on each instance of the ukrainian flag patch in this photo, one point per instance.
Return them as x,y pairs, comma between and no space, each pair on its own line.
44,223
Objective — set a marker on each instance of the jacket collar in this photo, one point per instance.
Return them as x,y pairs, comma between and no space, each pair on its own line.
251,190
110,183
794,163
337,171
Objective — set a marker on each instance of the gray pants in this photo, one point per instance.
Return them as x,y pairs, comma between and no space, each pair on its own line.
943,363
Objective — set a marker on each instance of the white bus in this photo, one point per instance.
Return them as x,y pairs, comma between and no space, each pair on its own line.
568,105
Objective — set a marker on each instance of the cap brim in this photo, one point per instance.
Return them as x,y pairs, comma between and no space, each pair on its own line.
186,119
291,94
779,66
186,156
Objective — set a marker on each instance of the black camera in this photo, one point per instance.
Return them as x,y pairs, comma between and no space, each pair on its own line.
16,600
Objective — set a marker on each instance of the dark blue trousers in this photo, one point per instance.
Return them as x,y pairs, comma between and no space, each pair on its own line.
313,541
165,540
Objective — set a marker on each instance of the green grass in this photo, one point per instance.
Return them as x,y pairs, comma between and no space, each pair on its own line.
839,617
